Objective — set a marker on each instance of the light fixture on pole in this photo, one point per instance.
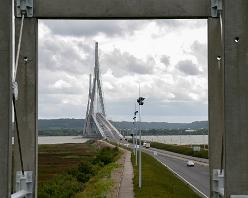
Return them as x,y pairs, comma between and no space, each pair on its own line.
133,137
135,130
140,101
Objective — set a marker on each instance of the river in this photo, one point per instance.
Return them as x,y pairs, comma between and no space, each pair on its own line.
170,139
178,139
61,139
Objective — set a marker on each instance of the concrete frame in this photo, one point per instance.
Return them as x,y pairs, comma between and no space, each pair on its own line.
5,97
215,97
228,96
27,103
236,97
85,9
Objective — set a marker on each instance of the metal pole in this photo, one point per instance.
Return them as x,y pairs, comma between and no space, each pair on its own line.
203,140
180,136
133,141
139,142
136,150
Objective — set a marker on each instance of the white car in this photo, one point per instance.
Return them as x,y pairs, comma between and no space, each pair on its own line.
190,163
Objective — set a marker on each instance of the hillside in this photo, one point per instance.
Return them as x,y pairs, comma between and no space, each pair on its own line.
50,124
163,125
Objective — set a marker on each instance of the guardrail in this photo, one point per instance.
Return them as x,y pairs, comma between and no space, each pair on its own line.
20,194
24,185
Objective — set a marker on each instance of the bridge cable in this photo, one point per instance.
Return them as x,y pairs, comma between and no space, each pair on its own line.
18,134
18,47
14,95
221,63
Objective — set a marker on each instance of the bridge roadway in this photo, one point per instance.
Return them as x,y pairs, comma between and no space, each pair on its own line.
110,132
197,177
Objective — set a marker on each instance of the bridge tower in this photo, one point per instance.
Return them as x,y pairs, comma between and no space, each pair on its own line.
95,100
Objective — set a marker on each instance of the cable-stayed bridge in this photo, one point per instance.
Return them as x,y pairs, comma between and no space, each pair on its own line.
96,123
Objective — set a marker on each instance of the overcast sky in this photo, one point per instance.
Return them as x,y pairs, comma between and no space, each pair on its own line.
168,58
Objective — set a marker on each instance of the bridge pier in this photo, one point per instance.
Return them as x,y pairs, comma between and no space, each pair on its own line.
236,97
5,97
215,98
27,78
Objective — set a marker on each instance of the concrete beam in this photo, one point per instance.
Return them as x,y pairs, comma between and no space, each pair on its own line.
5,97
27,78
236,97
215,97
93,9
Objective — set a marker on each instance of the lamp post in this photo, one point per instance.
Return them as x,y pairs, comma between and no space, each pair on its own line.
135,131
132,135
140,102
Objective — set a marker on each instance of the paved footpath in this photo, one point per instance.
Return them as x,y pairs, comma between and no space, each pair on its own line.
126,188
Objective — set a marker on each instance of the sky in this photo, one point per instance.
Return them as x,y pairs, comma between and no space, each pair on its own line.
168,58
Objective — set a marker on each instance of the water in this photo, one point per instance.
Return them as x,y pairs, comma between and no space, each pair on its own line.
59,139
177,139
170,139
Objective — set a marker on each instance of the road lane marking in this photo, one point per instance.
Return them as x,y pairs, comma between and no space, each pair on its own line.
183,179
181,158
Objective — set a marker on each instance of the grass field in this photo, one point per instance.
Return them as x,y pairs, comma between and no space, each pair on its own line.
99,185
69,170
57,158
185,150
158,181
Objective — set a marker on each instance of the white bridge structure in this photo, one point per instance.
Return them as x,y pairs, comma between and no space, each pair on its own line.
96,124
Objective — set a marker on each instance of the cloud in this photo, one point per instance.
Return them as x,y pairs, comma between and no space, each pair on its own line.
72,56
165,60
129,55
172,24
123,63
199,50
188,67
91,28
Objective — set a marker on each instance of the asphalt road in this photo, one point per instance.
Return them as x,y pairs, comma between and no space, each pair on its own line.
197,176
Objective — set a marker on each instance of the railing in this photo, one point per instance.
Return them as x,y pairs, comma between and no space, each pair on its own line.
20,194
107,128
24,185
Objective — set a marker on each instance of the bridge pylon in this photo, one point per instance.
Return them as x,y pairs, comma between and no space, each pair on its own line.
95,101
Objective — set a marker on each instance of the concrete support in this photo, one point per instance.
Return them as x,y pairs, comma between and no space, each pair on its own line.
215,96
236,96
122,9
27,78
5,97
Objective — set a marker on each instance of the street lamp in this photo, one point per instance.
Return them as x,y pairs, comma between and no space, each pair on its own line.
134,122
140,101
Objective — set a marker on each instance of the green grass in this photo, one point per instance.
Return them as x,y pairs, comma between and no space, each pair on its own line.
185,150
99,186
158,181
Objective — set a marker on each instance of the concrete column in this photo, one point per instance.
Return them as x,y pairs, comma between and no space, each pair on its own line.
215,96
95,9
236,97
27,78
5,97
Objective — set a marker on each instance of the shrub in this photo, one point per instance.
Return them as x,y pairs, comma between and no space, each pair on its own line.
61,186
106,155
84,171
67,184
180,149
